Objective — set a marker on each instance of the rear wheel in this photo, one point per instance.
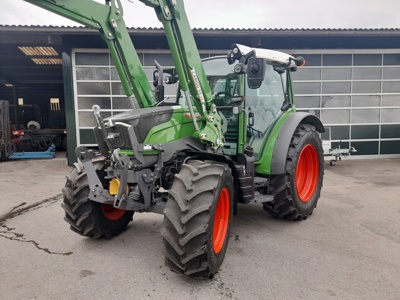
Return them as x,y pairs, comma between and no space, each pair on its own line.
197,218
296,192
87,217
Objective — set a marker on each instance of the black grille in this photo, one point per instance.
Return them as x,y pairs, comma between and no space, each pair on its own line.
121,137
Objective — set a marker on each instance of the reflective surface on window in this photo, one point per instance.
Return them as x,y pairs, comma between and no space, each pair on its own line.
336,74
391,100
307,87
307,74
336,87
366,100
337,60
367,59
390,87
93,88
94,73
336,101
88,102
308,101
364,87
335,116
391,73
367,73
365,115
390,115
391,59
96,59
87,119
365,132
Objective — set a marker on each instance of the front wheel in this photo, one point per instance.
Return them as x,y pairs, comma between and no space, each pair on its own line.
197,218
87,217
296,192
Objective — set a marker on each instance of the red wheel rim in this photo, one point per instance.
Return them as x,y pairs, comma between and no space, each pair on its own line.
112,213
221,220
307,173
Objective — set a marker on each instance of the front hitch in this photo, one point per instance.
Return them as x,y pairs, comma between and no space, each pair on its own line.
97,192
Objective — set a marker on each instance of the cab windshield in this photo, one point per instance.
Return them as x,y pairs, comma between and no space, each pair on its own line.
224,83
264,103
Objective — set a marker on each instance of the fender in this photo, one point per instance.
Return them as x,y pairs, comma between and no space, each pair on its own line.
285,135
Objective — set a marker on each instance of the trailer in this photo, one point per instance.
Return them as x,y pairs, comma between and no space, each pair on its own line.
336,153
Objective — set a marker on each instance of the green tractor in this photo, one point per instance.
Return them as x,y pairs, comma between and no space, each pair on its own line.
232,136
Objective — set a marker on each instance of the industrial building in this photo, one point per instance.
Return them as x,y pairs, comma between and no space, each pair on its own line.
351,80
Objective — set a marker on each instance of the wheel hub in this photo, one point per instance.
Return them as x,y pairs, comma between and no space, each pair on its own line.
112,213
307,172
221,220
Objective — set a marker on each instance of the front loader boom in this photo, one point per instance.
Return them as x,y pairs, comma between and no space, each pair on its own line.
108,20
184,51
190,70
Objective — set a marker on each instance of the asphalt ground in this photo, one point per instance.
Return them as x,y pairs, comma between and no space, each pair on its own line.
348,249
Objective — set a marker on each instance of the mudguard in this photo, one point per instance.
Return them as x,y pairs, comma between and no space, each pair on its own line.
285,135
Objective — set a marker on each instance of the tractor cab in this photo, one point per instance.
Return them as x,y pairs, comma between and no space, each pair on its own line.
248,110
239,103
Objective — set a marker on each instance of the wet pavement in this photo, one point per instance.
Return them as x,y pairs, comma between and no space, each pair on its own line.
348,249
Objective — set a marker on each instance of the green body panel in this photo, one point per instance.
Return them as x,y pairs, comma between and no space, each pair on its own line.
263,164
180,125
243,117
242,131
125,151
145,153
108,19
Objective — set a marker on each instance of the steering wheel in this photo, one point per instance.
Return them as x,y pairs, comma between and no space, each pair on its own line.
221,97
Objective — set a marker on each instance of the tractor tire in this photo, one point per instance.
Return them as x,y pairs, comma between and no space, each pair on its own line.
197,218
296,192
87,217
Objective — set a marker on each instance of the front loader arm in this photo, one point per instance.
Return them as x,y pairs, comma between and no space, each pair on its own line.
108,20
189,67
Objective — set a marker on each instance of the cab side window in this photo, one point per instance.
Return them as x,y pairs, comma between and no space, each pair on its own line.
265,103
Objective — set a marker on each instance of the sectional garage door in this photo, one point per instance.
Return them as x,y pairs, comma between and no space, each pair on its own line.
356,94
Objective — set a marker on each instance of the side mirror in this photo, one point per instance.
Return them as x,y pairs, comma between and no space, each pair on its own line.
255,72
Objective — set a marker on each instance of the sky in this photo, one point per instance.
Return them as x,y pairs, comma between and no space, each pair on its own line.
262,14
